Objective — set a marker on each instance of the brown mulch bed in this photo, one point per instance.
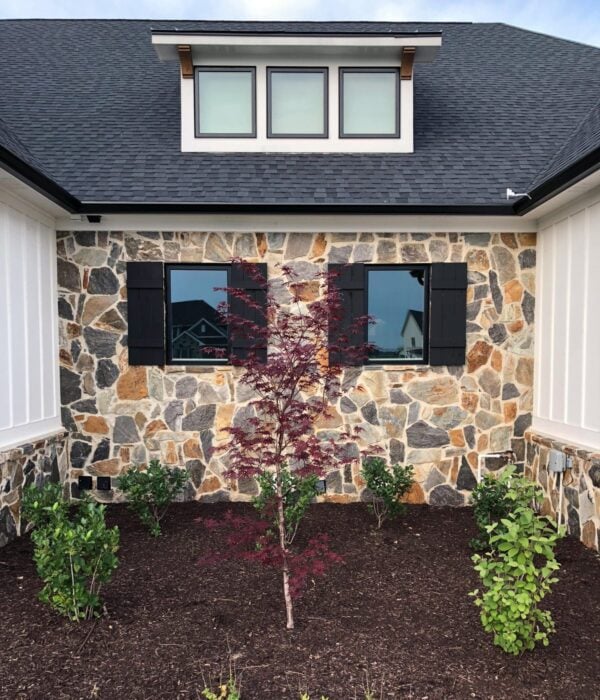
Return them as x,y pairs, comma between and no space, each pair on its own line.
396,612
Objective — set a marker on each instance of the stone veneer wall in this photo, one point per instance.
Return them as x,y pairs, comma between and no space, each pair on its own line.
581,498
437,419
32,463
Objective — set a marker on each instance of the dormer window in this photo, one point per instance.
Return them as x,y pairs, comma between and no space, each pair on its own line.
369,103
297,102
297,92
226,102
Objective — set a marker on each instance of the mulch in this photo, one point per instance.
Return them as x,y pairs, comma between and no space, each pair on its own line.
395,616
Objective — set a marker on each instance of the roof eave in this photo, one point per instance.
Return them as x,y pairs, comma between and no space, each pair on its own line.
39,182
556,184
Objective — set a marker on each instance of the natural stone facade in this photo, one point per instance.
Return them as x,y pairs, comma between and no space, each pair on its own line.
436,418
32,463
581,498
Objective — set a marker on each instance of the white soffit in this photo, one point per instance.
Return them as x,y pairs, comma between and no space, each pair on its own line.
426,46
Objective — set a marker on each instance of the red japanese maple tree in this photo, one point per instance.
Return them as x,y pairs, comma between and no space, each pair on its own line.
294,387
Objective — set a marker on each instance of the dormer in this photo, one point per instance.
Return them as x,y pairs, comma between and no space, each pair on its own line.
334,93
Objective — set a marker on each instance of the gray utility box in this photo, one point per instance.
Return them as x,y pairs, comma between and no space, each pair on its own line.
557,461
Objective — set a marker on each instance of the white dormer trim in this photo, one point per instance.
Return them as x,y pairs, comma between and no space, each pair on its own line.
262,52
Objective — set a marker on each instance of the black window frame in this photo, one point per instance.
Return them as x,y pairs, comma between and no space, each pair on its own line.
223,69
426,268
295,69
169,360
382,69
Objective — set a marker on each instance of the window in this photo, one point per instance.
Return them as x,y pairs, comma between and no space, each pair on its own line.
195,331
225,102
369,103
297,102
397,303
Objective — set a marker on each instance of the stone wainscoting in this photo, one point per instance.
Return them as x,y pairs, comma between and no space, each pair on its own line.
581,498
437,418
32,463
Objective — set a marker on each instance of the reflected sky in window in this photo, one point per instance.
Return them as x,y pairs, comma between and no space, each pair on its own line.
396,301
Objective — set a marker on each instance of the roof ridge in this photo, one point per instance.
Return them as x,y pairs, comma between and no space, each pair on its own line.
544,34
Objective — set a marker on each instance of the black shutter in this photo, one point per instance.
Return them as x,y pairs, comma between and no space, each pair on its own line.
242,277
448,314
344,333
146,313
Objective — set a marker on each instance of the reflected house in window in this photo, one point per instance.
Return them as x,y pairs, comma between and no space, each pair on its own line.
195,325
412,334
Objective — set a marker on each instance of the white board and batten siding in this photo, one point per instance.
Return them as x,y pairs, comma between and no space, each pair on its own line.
29,386
567,372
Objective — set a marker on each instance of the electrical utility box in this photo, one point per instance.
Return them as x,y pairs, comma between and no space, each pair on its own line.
557,461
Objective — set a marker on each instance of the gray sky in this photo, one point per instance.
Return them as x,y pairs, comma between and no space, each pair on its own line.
578,20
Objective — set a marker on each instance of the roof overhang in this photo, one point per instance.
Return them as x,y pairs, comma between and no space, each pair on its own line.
426,45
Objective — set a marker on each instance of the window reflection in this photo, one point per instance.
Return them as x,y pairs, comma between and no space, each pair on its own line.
196,329
396,301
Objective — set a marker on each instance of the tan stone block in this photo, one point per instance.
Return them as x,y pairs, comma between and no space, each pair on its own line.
95,305
73,330
510,411
393,419
415,495
65,357
588,535
482,443
513,291
95,424
478,260
330,419
106,467
515,326
457,438
527,239
469,401
509,239
261,244
478,355
424,456
169,452
497,360
524,371
376,384
211,483
306,291
223,420
154,426
133,384
338,498
440,391
191,449
319,246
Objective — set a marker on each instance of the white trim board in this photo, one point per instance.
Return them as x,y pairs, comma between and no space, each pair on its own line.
325,223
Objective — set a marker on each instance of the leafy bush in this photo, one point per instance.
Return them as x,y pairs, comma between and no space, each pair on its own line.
298,493
74,551
388,486
517,574
149,492
494,499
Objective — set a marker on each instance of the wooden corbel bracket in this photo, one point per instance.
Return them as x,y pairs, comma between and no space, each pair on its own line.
407,61
185,60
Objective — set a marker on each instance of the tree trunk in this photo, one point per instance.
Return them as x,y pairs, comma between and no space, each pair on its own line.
289,609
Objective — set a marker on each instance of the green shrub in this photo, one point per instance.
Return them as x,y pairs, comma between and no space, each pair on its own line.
387,486
298,493
74,550
226,691
494,499
517,574
150,491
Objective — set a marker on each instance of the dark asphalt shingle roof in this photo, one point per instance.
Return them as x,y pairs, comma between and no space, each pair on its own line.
92,102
